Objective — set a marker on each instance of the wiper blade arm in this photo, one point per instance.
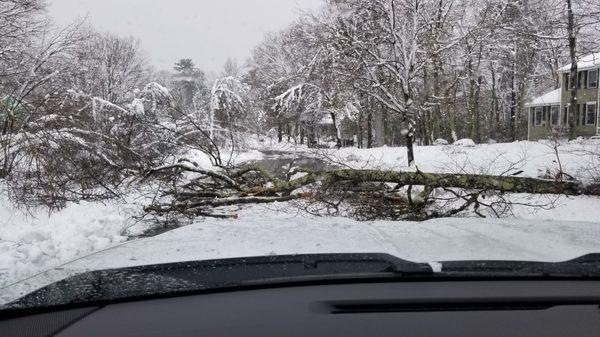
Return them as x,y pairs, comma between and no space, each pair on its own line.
584,266
175,278
586,259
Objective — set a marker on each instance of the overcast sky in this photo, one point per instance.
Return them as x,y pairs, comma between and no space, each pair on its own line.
207,31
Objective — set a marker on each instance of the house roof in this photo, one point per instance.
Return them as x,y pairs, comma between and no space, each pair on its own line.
587,62
551,98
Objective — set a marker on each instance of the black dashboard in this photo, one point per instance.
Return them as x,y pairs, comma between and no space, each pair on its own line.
560,308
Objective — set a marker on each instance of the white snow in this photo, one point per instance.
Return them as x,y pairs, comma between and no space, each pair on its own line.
158,91
137,107
578,159
30,242
585,63
551,98
466,142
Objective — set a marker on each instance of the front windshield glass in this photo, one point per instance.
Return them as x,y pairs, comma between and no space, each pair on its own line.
145,132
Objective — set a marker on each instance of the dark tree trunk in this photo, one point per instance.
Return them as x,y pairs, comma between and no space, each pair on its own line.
425,115
476,109
495,116
410,149
512,122
574,80
296,131
360,131
280,132
385,128
338,141
369,129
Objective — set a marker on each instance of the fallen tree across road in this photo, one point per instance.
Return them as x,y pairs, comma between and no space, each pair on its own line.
364,194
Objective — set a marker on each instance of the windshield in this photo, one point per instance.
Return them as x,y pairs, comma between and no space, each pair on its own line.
151,132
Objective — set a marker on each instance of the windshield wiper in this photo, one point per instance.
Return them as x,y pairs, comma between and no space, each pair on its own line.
108,286
189,277
584,266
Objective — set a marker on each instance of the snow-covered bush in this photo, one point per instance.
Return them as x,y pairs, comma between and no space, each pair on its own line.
79,147
466,142
440,141
579,140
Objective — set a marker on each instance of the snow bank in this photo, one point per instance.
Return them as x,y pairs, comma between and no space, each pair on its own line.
465,142
33,241
529,159
30,242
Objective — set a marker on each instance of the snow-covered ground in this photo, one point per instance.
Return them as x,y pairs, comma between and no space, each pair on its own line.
532,158
61,243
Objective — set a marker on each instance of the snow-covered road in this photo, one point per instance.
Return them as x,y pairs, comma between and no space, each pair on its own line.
256,234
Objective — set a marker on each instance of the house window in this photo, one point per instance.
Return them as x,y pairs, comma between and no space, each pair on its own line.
532,115
566,116
593,78
582,79
569,84
580,114
554,115
539,116
590,114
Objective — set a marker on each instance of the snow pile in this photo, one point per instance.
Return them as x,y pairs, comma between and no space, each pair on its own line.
32,242
440,142
465,142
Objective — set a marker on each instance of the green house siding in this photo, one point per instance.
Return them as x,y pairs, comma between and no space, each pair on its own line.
538,132
584,96
548,125
544,131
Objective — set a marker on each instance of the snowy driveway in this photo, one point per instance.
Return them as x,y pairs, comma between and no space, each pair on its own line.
255,234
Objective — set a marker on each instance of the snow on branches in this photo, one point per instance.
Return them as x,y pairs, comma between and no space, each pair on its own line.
227,95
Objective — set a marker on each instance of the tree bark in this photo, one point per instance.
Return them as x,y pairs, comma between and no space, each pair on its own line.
279,132
495,116
255,184
370,129
512,127
338,140
574,80
410,148
476,182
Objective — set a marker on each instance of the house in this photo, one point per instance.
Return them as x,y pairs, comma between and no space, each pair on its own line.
549,114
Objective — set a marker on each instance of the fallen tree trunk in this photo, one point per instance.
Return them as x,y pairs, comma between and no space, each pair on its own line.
373,191
503,184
